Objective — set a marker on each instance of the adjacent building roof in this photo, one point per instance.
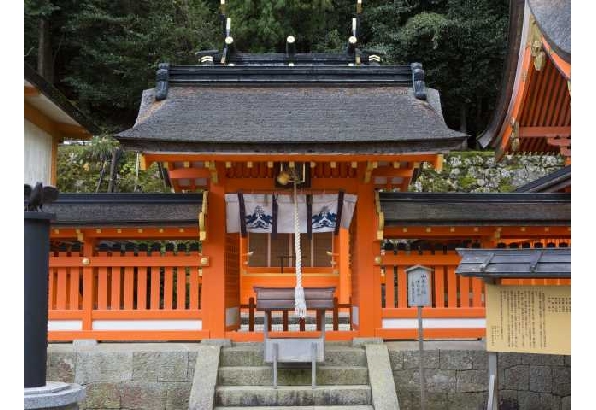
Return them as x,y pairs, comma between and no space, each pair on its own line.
515,263
534,99
54,104
119,209
552,182
264,106
520,209
553,17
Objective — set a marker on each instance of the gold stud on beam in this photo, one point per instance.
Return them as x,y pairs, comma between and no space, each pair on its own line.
546,229
98,230
118,230
313,164
523,229
79,235
354,164
140,230
333,164
166,165
452,229
56,231
160,230
142,162
475,229
249,164
427,230
396,165
292,164
439,163
228,165
186,164
404,230
269,164
181,230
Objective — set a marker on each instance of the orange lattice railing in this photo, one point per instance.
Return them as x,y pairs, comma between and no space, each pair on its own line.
457,309
125,295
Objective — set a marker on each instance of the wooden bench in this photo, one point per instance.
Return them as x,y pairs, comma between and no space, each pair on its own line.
291,347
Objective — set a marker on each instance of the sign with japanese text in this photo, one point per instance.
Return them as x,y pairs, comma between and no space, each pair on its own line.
419,279
528,319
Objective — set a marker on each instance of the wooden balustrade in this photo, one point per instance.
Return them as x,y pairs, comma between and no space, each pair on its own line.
457,309
251,308
144,295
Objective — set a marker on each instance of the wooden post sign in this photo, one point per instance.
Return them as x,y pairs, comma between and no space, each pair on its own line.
419,286
419,295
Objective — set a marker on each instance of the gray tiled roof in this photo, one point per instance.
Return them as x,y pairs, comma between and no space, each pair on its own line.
515,263
521,209
126,209
554,20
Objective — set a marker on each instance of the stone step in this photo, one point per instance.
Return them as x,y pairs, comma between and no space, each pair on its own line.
263,375
357,407
252,355
292,395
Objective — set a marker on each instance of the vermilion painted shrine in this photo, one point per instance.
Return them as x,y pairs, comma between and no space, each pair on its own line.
348,127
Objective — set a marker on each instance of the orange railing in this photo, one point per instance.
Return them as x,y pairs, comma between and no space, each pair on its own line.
457,309
128,295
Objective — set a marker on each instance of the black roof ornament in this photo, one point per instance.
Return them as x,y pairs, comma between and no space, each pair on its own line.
162,76
36,197
418,81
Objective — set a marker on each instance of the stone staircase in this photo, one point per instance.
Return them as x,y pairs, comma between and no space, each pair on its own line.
244,380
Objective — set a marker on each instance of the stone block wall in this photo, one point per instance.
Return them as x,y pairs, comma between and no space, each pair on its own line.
143,376
456,377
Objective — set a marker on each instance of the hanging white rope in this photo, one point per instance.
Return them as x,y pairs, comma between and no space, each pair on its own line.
299,300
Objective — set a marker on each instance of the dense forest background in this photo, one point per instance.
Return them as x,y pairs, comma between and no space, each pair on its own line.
102,53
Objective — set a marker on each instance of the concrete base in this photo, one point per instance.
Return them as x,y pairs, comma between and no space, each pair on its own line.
202,392
363,341
55,396
217,342
84,343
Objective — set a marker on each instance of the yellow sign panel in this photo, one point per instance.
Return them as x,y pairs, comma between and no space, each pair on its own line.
528,319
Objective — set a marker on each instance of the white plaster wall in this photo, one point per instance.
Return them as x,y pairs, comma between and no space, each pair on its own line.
38,155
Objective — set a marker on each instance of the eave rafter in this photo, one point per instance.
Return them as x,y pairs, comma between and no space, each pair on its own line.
189,172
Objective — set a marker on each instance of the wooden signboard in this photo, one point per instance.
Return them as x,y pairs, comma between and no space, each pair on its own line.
528,319
419,293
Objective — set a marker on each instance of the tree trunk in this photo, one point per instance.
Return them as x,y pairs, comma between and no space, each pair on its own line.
45,61
116,153
101,174
462,118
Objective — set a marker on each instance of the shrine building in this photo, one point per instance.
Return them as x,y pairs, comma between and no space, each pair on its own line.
247,139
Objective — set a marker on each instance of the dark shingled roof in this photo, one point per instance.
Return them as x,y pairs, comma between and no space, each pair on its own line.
549,183
553,17
222,118
126,209
284,109
515,263
511,209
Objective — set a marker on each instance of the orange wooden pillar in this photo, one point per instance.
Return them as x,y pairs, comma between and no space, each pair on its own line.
343,265
366,284
213,291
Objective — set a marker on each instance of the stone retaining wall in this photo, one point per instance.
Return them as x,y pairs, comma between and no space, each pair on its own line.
456,375
144,376
158,376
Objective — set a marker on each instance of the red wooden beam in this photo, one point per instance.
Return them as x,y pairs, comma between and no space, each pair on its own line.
533,132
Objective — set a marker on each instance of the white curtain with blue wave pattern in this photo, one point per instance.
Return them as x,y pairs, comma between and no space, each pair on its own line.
259,215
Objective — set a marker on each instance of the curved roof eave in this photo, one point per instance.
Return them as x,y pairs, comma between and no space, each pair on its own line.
516,24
